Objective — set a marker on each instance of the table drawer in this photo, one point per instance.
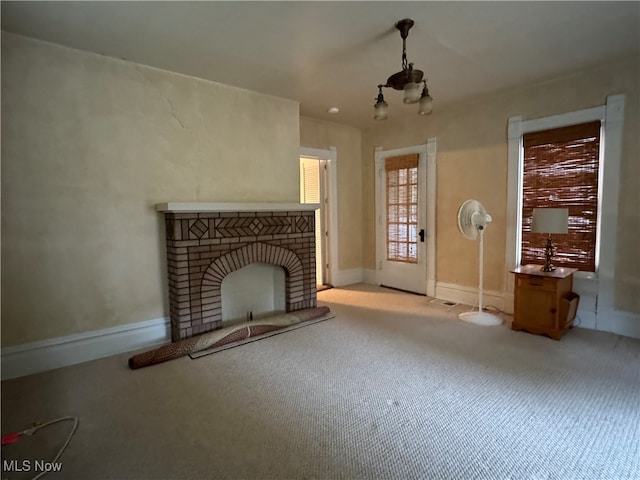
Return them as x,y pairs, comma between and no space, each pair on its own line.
533,282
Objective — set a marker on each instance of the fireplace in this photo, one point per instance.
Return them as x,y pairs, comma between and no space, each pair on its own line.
208,241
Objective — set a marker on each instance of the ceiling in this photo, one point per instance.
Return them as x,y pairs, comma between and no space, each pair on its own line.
326,54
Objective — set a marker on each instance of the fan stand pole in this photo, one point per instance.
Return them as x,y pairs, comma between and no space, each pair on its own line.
481,257
481,317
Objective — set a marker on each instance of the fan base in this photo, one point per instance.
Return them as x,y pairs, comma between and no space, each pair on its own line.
481,318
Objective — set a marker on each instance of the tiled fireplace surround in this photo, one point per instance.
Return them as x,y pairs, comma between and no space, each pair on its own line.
206,242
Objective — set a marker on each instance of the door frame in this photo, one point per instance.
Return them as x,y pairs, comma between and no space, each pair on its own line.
427,151
331,192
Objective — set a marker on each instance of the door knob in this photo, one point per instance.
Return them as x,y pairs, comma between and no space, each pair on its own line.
421,233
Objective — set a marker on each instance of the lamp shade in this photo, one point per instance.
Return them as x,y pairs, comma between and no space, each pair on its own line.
426,105
381,109
550,220
411,92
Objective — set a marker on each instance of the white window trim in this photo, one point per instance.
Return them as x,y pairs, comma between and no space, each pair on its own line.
597,293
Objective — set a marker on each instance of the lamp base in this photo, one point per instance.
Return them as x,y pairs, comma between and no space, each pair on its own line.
548,254
481,318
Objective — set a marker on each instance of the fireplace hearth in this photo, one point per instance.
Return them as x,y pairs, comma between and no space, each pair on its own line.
208,241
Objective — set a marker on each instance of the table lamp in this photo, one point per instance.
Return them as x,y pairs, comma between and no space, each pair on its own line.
550,220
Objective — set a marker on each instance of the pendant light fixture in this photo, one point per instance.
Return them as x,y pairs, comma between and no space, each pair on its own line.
409,80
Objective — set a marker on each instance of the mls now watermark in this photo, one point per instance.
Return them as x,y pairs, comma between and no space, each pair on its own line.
36,466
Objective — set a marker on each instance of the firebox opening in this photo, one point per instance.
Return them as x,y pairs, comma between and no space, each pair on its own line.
257,289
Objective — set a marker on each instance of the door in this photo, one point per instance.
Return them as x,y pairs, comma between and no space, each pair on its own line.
313,189
401,219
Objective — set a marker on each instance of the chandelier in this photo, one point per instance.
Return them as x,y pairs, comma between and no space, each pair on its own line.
409,80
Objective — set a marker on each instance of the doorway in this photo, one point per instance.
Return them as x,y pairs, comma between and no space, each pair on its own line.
316,187
405,218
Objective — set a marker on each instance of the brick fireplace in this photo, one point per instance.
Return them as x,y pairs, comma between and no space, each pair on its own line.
208,241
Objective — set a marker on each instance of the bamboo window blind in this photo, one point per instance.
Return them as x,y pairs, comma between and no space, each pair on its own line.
561,171
402,208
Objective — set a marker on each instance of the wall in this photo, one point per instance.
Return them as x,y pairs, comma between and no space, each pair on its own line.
348,141
472,163
89,145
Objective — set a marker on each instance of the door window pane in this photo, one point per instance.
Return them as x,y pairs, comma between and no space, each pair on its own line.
402,208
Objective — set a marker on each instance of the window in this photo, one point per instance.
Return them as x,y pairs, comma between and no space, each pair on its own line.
597,289
560,170
402,208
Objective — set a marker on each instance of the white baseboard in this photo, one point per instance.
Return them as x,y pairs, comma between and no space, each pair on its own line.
34,357
601,319
347,277
469,296
617,321
369,276
509,302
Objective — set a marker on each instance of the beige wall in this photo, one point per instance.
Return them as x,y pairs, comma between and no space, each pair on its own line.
472,163
347,140
89,145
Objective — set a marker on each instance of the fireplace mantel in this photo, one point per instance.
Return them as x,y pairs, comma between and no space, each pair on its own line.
196,207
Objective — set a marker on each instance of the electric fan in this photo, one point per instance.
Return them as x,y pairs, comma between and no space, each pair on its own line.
472,220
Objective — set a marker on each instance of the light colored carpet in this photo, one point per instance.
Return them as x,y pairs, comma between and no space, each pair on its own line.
392,387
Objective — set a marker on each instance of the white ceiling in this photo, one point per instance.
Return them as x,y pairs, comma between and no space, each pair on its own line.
326,54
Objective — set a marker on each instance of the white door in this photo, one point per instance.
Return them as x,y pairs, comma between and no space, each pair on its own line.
401,219
313,188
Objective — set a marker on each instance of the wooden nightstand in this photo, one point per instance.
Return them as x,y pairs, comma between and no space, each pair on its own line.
544,301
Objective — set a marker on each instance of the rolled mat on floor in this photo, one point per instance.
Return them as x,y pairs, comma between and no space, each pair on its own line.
224,336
